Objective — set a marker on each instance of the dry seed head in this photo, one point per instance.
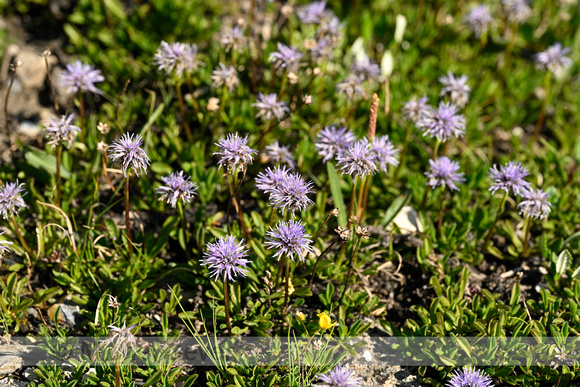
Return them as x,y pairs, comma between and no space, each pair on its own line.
363,232
344,233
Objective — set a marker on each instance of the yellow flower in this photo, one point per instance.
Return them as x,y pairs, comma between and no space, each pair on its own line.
300,316
325,322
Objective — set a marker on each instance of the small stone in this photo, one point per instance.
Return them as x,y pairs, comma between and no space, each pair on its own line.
408,221
68,314
9,364
29,374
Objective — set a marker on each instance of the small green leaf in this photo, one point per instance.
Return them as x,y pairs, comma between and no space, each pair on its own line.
336,192
563,262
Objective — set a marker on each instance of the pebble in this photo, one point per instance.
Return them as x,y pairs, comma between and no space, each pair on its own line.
408,221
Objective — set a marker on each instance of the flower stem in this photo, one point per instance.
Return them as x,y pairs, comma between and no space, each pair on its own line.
403,151
58,161
440,221
350,267
188,132
320,229
351,204
287,286
20,237
227,305
318,260
493,226
104,159
184,226
436,149
527,227
542,116
127,218
281,263
82,116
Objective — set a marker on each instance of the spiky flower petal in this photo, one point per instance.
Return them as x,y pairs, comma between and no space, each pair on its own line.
443,123
509,177
177,57
535,204
287,58
417,108
11,201
122,339
358,160
334,141
385,152
80,76
314,13
289,239
479,19
277,153
225,258
469,377
444,172
61,131
225,76
269,181
177,187
128,151
291,193
269,107
554,59
235,152
4,246
517,11
456,88
341,376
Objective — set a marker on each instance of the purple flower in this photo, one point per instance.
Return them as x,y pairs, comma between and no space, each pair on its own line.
366,69
553,59
322,49
313,13
225,76
385,152
269,181
61,131
341,376
479,19
290,239
456,88
11,201
291,193
334,141
517,11
535,204
330,31
177,57
235,152
127,150
80,76
280,154
443,123
444,172
351,87
268,107
509,177
286,58
415,109
470,377
358,160
225,258
233,39
4,246
177,187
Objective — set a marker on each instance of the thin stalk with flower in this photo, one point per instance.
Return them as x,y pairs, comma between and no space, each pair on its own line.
362,232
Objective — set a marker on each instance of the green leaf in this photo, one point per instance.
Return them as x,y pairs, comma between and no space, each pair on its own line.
395,208
563,262
336,192
42,160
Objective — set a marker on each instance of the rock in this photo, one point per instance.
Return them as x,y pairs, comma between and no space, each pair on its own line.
32,71
29,130
29,374
9,364
408,221
69,314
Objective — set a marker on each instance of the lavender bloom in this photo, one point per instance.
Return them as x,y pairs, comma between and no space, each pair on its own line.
416,109
225,259
268,107
122,338
61,131
358,160
456,87
233,39
509,177
341,376
333,141
177,187
280,154
178,57
4,246
479,19
11,201
225,76
443,123
444,172
351,87
366,69
321,49
291,193
470,377
330,31
128,151
385,152
268,182
286,57
235,152
553,59
290,239
535,204
517,11
313,13
80,76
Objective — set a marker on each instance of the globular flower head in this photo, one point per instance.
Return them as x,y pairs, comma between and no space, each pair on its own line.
509,177
535,204
11,201
235,152
177,187
417,108
321,49
469,377
554,59
289,239
128,151
277,153
291,193
233,38
269,107
341,376
444,172
517,11
358,160
122,339
366,69
479,19
330,31
269,181
314,13
456,88
4,246
443,123
286,58
80,76
225,258
61,131
351,87
225,76
177,57
385,152
334,141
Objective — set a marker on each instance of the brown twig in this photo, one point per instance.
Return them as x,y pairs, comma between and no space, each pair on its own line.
13,67
127,217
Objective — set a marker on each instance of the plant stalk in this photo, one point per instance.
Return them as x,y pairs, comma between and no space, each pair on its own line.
350,267
227,305
188,132
127,217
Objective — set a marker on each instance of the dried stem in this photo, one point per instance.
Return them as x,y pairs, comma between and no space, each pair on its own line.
127,217
350,267
287,286
318,260
106,173
527,227
46,54
281,263
20,237
321,227
227,305
188,132
542,116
